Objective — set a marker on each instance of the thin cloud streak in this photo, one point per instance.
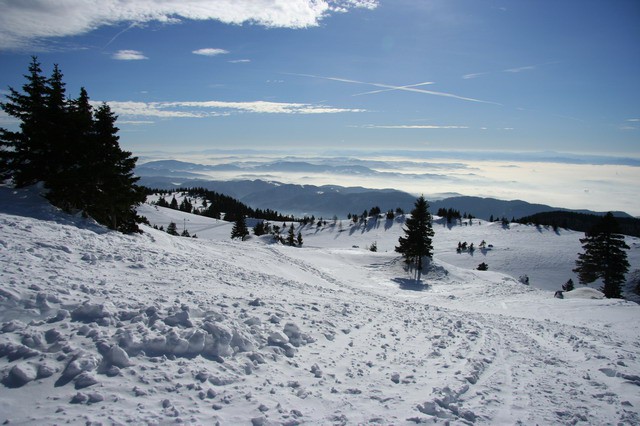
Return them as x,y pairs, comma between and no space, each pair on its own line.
129,55
403,88
205,109
412,126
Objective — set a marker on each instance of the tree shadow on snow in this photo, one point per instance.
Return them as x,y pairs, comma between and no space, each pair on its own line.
411,284
30,202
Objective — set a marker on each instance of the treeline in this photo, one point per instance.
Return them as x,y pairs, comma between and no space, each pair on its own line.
72,148
579,221
452,214
215,205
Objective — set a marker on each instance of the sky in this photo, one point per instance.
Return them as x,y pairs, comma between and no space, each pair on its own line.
295,74
476,80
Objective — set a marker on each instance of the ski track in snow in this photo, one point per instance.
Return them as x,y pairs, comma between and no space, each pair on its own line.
98,327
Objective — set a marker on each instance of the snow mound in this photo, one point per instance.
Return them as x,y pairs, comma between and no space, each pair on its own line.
583,293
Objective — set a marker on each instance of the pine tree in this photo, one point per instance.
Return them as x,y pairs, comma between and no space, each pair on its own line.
172,229
291,236
483,267
69,184
22,154
568,286
604,257
417,242
299,239
72,150
239,229
114,192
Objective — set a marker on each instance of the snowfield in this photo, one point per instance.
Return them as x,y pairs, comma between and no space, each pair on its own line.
102,328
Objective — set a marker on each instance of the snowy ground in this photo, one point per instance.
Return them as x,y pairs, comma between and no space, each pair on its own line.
99,327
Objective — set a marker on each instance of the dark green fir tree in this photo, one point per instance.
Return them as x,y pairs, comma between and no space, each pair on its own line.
604,257
417,241
239,229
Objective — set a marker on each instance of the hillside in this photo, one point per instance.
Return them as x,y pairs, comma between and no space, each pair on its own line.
101,327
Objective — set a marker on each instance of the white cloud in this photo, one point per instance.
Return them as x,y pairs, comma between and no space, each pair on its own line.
203,109
129,55
635,120
136,122
23,24
240,61
210,52
413,126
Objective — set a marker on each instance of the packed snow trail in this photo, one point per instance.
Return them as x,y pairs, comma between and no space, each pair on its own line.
97,327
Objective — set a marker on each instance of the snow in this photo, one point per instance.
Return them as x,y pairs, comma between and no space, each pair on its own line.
100,327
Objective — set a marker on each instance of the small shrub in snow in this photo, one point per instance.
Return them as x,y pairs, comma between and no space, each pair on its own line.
524,279
568,286
483,267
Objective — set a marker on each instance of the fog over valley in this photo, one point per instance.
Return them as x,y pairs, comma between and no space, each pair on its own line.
574,182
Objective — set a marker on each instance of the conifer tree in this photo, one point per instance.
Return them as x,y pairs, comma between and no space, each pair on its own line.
115,193
568,286
22,155
604,257
239,229
172,229
299,239
417,242
72,150
291,236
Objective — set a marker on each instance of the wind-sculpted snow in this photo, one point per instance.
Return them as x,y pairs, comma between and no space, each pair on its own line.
97,327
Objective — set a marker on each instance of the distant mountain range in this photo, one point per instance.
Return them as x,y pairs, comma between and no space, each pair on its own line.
326,200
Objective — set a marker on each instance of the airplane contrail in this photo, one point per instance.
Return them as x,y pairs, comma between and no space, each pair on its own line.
409,88
392,89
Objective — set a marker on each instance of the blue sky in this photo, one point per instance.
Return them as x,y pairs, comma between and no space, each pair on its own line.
349,74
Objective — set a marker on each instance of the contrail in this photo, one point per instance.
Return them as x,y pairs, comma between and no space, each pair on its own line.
390,90
388,87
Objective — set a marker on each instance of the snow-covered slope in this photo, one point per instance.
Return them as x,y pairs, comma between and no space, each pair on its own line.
98,327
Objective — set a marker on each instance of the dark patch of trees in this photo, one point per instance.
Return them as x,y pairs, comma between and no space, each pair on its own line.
72,148
581,222
216,205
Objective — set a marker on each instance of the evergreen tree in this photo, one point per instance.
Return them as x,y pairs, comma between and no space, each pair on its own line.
174,203
239,229
291,236
22,154
73,151
604,257
568,286
417,242
114,191
259,229
69,184
299,239
172,229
